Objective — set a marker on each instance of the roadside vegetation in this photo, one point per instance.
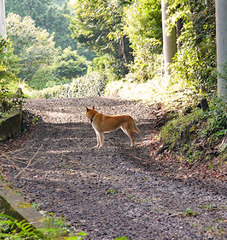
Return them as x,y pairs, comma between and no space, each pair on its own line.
199,137
11,228
114,48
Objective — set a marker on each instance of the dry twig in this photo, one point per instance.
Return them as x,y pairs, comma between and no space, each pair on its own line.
29,162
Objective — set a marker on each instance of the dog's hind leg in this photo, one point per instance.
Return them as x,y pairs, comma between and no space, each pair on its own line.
129,133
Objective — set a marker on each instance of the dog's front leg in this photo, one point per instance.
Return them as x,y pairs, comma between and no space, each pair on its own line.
98,139
101,136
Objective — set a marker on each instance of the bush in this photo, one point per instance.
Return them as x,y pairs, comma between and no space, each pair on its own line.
198,135
11,228
178,132
69,64
92,84
43,78
34,46
8,69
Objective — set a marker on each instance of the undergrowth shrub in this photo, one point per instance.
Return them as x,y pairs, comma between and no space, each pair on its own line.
92,84
216,120
43,78
8,80
199,136
195,60
11,228
153,91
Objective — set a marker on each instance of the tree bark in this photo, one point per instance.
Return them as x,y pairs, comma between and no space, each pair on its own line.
122,44
169,40
2,19
221,41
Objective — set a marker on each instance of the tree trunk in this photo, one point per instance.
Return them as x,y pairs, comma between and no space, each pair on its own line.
123,51
169,40
221,32
179,26
2,18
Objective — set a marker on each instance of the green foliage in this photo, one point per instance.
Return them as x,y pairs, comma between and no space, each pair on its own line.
47,14
98,25
66,66
70,65
153,91
36,9
34,46
125,35
11,228
105,65
173,133
110,191
95,20
216,120
142,24
90,85
196,59
8,69
189,213
56,21
195,133
44,77
8,62
42,64
210,207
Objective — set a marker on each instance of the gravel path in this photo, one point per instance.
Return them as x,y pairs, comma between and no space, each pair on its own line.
107,192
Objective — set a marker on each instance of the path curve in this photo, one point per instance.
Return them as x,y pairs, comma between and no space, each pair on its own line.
105,192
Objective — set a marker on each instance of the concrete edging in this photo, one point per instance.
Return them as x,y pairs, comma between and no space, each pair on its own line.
10,125
16,206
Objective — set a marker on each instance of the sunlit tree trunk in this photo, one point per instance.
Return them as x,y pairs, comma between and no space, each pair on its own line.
122,44
169,40
221,26
2,18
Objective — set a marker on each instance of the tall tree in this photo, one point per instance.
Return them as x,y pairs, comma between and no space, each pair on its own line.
36,9
195,60
2,18
47,14
98,25
143,26
221,28
34,46
169,39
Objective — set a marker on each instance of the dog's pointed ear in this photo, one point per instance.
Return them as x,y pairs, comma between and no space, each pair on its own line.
93,107
87,109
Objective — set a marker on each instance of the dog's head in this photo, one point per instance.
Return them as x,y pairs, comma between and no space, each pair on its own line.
91,112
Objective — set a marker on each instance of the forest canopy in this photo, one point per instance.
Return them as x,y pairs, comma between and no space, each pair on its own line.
120,39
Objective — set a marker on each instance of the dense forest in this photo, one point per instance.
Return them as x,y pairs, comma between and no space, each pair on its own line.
60,48
57,41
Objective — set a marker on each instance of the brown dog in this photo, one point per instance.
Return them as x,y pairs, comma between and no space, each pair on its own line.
106,123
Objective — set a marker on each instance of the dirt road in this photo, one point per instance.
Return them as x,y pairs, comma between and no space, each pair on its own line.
107,192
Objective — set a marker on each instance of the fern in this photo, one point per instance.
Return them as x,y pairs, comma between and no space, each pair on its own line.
11,228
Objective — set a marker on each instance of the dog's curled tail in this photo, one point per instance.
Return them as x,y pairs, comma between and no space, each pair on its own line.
136,129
